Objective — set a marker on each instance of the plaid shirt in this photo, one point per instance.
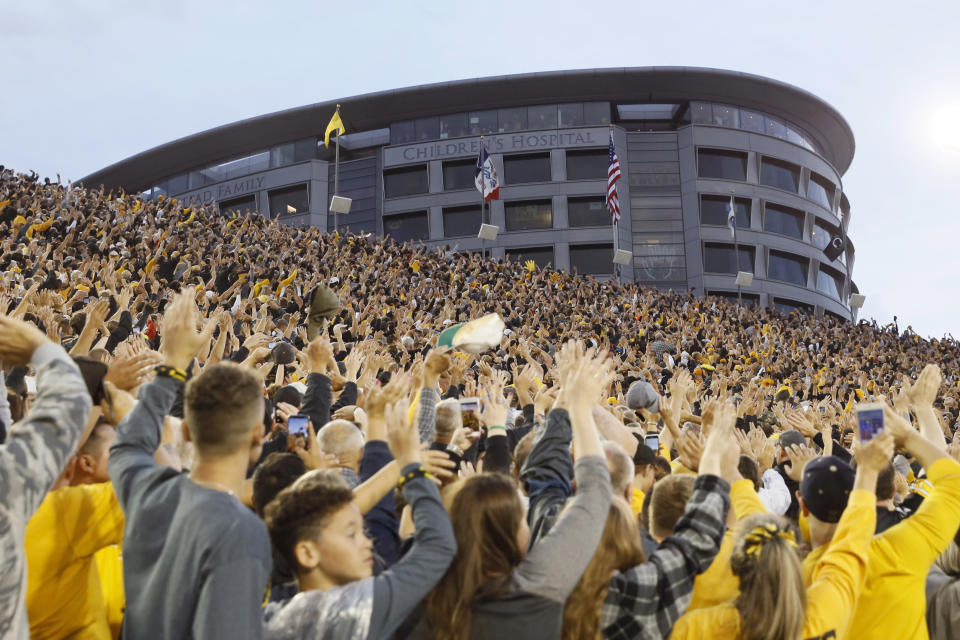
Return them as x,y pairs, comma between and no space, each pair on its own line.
646,601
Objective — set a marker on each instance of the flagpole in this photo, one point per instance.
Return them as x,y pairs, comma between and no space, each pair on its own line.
483,202
336,177
736,245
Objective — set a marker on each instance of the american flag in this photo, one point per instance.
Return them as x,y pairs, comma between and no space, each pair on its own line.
613,174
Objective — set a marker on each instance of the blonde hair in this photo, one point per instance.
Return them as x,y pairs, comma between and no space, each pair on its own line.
949,560
620,548
773,599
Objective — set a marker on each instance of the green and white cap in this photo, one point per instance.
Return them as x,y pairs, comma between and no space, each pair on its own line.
475,336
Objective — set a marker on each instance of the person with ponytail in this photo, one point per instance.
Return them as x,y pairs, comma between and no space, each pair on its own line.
773,603
496,587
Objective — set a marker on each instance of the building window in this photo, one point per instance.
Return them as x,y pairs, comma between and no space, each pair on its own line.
178,184
749,299
461,221
776,128
542,116
587,164
596,114
533,214
238,206
820,190
305,149
588,212
571,115
402,132
426,129
482,122
726,116
713,211
751,121
822,231
829,282
718,163
289,201
406,226
542,256
720,258
520,169
459,174
513,119
791,306
787,268
592,259
406,181
779,174
783,220
454,126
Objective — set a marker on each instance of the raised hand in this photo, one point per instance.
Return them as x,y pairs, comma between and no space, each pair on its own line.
799,456
181,340
18,341
402,436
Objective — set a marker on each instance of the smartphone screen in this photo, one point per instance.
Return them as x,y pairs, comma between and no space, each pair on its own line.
869,421
297,425
653,441
470,404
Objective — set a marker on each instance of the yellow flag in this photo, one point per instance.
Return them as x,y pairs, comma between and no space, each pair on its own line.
336,124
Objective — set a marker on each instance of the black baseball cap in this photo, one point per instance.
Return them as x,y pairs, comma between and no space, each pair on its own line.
826,486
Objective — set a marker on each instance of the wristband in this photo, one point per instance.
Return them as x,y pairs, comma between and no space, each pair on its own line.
496,426
452,448
171,372
419,472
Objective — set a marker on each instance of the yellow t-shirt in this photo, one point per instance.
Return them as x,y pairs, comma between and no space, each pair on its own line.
893,602
64,598
837,579
110,569
717,584
636,501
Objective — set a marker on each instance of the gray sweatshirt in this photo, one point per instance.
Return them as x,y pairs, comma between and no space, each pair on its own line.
32,459
195,561
373,608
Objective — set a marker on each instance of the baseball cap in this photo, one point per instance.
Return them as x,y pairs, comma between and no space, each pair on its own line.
791,437
642,395
826,486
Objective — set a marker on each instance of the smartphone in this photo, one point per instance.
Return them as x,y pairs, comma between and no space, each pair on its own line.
653,442
470,404
297,425
869,420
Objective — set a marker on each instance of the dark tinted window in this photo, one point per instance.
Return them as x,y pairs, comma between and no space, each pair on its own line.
406,226
589,164
829,282
461,221
588,212
459,174
407,181
791,306
596,113
304,150
401,132
179,184
820,190
749,299
820,237
713,210
720,258
536,214
571,115
783,220
717,163
542,256
426,129
788,268
238,206
596,259
513,119
526,168
482,122
542,116
779,174
454,125
289,201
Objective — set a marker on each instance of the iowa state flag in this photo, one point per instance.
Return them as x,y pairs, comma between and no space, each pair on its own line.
485,176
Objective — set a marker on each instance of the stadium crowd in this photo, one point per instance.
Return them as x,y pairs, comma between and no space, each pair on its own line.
620,462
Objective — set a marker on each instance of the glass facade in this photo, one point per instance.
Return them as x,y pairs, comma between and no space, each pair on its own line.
542,256
289,201
820,236
238,206
590,211
588,164
749,299
783,220
820,190
787,268
791,306
592,259
723,164
733,117
829,282
532,214
779,174
720,258
406,181
713,211
406,226
459,174
520,169
461,221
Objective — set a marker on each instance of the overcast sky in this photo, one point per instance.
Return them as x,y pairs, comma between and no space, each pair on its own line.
86,84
